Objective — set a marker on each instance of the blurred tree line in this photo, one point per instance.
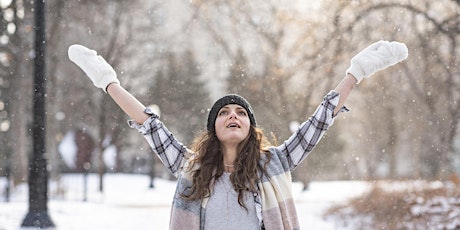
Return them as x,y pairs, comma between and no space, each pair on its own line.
181,56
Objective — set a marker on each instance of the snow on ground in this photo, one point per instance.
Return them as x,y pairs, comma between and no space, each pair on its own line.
128,203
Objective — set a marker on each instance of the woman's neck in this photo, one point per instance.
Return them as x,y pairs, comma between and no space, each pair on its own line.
229,153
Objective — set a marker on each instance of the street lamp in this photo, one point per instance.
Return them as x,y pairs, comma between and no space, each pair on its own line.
38,174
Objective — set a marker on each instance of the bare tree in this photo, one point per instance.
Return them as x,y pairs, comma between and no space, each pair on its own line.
428,79
289,58
16,80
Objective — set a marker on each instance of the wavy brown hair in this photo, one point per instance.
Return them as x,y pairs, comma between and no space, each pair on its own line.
209,158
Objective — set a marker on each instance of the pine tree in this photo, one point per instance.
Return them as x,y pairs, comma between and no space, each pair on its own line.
181,96
238,79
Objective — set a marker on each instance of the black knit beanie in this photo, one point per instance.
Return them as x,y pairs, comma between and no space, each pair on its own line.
226,100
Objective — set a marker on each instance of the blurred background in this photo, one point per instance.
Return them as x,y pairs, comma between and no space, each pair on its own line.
180,56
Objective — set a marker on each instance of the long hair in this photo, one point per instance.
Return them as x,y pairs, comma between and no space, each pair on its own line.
209,157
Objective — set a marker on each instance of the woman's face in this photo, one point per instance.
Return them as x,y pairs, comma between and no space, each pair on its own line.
232,124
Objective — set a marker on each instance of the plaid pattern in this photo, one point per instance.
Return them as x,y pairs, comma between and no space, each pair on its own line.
274,203
302,142
172,153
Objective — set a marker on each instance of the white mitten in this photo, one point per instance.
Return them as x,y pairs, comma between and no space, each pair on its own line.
375,57
98,70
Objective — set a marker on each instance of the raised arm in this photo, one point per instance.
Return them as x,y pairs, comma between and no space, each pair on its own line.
171,152
344,89
373,58
128,103
103,76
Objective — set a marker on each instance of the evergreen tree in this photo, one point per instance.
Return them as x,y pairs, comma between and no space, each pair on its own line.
238,79
181,96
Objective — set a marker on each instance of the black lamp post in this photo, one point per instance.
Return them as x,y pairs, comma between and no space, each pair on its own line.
38,174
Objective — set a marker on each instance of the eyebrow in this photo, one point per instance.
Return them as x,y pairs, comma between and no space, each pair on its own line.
239,106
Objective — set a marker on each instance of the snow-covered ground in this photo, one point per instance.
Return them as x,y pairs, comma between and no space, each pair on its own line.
128,203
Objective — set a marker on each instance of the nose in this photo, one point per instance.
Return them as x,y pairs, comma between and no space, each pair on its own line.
232,115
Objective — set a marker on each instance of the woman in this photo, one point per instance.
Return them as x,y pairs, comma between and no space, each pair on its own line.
232,178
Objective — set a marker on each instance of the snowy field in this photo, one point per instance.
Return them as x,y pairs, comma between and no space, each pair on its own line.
128,203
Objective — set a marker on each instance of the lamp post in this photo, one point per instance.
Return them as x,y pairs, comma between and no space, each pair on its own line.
38,174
